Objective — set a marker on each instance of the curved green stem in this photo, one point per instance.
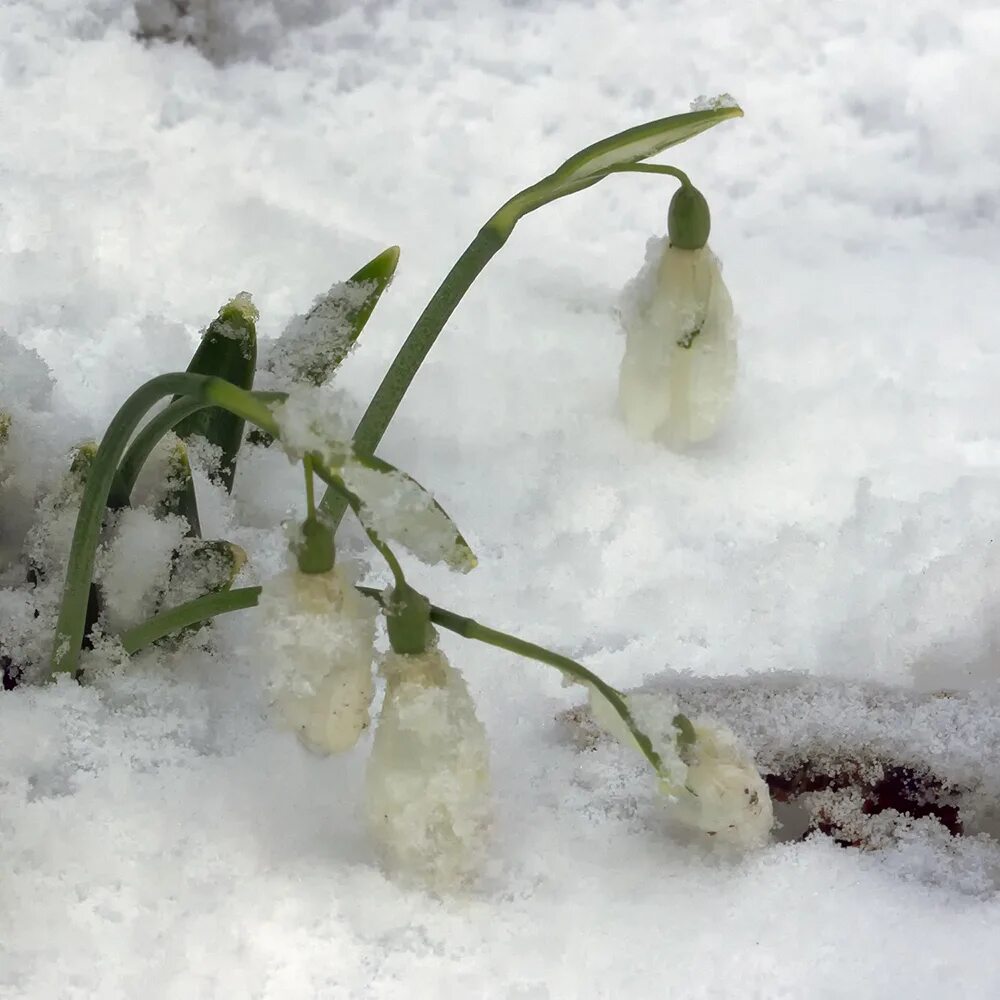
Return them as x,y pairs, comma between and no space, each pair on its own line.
190,613
431,321
80,567
450,292
336,487
151,433
469,628
143,444
650,168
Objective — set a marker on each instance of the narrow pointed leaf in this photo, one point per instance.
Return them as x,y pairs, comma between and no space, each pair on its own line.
228,350
640,142
313,346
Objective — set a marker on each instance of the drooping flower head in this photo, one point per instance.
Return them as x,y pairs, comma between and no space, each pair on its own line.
678,373
428,789
320,633
726,797
710,779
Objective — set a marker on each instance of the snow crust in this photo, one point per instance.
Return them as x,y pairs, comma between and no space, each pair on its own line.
162,837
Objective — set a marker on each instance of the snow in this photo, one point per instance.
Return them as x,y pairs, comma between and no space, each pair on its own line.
133,568
311,420
161,836
705,103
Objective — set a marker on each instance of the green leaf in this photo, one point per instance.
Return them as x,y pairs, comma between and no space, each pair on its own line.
228,350
398,509
639,143
313,346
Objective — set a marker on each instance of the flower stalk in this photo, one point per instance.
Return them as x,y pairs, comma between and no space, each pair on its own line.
617,153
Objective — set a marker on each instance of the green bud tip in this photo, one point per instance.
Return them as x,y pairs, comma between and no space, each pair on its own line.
242,307
314,548
688,220
408,621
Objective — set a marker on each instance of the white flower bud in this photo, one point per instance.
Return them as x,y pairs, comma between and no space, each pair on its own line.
712,784
679,369
321,633
428,789
652,716
730,799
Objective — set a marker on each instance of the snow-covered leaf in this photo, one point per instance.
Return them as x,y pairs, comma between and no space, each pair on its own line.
313,346
398,509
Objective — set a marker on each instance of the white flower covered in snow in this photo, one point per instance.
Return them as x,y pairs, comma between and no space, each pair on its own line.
428,789
728,798
679,369
321,634
712,783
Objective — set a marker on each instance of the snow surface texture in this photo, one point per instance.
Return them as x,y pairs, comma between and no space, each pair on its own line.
160,837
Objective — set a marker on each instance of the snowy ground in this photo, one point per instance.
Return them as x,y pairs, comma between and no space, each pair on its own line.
159,838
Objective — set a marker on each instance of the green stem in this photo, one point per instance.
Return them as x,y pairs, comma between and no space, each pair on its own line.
307,466
151,434
80,568
190,613
397,379
437,312
143,444
469,628
650,168
336,487
213,605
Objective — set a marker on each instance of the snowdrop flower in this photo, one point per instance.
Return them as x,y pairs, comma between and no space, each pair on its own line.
726,795
709,778
679,370
321,633
428,790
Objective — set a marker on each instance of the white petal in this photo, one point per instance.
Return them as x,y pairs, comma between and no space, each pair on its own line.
320,633
679,370
730,799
